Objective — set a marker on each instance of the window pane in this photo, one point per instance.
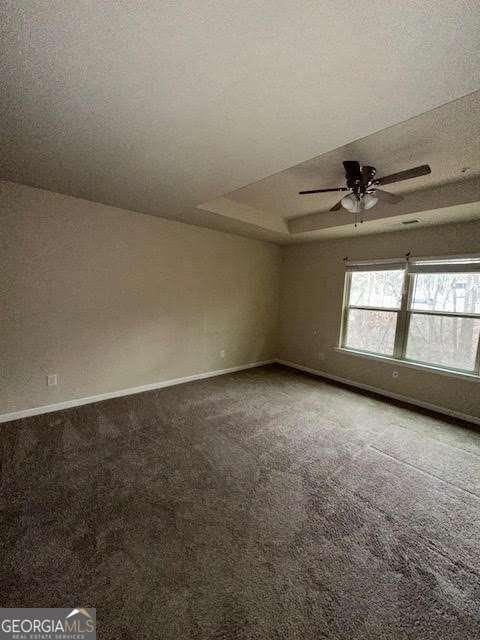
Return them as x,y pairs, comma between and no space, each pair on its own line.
376,288
372,331
447,292
443,340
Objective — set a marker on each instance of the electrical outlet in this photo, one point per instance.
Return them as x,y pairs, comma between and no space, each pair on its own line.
222,353
52,380
394,374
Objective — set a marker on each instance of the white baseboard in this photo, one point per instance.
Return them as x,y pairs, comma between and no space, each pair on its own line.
389,394
76,402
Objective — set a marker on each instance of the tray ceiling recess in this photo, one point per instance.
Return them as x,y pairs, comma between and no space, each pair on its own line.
431,164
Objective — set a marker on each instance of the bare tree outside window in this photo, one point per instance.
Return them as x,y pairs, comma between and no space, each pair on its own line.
436,321
375,298
439,338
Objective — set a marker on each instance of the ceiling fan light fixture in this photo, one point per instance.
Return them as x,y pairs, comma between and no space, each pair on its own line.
352,203
369,201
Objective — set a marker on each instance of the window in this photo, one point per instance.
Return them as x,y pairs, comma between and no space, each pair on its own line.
373,308
426,311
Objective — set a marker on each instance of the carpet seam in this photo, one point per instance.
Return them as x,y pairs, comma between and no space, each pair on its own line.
428,473
445,444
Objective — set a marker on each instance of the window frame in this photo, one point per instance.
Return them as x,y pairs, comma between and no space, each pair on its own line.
404,315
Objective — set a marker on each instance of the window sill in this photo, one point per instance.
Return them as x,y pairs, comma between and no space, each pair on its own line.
472,377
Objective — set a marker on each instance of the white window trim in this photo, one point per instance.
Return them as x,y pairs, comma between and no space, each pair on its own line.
404,313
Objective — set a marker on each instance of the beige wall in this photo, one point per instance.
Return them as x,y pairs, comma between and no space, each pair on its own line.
109,299
311,301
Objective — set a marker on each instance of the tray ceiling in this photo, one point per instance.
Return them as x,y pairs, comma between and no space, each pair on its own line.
158,107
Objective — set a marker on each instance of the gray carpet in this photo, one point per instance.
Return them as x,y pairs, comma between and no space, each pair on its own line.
265,504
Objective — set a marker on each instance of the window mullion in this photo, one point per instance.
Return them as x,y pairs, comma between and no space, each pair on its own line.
402,318
446,314
368,308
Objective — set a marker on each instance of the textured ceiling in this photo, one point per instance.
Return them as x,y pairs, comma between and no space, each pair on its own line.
161,106
446,138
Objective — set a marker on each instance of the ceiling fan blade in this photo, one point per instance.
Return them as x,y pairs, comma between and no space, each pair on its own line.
422,170
392,198
323,190
336,207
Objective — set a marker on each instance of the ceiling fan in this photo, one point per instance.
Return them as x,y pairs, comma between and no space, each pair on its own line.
363,184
